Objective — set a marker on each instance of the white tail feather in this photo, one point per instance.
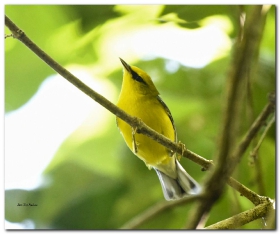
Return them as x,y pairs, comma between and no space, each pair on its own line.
177,188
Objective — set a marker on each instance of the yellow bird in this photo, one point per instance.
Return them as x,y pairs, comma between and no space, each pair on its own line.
140,98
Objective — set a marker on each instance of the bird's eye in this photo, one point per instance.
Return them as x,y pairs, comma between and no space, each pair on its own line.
138,78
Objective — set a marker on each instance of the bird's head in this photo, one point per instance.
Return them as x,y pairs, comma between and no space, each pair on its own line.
136,80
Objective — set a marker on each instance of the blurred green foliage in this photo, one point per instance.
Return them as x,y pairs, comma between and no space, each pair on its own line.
100,184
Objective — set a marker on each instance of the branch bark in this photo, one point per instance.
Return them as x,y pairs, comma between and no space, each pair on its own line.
245,217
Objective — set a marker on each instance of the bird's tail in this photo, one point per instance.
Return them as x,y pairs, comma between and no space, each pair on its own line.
177,188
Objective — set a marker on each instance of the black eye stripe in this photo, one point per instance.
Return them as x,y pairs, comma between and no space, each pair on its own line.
138,78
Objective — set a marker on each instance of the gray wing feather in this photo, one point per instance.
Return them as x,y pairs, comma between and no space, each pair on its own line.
169,115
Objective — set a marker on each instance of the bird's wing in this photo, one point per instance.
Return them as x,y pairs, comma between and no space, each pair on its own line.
169,115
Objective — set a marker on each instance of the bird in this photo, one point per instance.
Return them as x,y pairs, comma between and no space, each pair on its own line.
140,98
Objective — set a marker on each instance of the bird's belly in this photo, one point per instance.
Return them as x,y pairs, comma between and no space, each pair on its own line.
151,152
148,150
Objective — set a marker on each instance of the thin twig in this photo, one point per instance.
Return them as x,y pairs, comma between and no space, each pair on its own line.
156,209
256,149
246,192
245,217
256,161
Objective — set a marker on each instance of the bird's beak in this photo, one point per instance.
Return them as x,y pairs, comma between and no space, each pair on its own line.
126,66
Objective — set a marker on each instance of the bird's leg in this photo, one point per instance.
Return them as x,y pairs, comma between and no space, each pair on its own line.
134,144
183,148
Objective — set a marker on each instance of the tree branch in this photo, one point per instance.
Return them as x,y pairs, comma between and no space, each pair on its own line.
254,152
255,161
156,209
244,53
132,121
245,217
259,122
246,192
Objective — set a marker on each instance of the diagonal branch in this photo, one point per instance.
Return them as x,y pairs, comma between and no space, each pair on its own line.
156,209
245,217
133,121
254,152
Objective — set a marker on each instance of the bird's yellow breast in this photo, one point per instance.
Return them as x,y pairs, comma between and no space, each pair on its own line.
151,111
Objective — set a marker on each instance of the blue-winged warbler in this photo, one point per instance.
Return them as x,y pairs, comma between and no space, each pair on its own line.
140,98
